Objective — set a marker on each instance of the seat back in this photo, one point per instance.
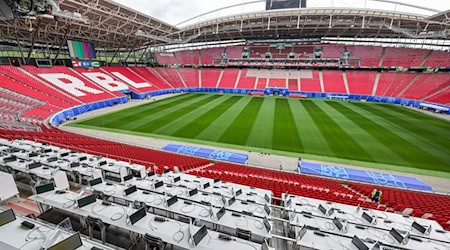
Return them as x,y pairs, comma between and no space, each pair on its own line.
95,223
184,219
243,234
153,242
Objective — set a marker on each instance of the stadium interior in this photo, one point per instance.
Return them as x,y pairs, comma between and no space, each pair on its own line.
293,127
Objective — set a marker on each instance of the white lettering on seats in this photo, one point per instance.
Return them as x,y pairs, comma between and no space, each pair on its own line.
106,81
130,82
69,83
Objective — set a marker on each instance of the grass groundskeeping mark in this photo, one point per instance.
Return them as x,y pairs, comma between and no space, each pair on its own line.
194,128
406,150
238,132
285,134
366,134
338,139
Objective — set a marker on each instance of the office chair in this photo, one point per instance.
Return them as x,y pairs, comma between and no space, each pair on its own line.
243,234
97,225
153,242
184,219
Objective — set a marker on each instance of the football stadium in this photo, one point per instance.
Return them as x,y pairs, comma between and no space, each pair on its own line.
266,124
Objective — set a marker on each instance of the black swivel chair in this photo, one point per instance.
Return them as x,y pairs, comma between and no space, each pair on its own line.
96,224
243,234
153,243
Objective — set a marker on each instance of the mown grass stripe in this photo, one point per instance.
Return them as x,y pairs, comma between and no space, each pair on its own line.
425,118
388,144
215,130
264,122
441,155
433,132
155,124
285,135
194,128
149,116
313,140
119,118
238,132
173,126
341,143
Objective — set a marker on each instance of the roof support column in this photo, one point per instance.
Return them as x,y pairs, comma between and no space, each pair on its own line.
61,44
115,53
33,39
145,51
20,47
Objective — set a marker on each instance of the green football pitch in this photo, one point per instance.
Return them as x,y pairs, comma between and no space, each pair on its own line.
367,134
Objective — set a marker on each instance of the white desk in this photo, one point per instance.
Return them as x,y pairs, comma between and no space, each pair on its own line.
326,225
385,220
14,236
211,194
197,211
168,231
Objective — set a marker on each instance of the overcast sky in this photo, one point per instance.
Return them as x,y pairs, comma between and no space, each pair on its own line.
176,11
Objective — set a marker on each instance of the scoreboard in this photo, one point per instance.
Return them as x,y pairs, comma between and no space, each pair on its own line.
285,4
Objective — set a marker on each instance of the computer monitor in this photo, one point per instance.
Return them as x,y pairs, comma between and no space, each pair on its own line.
239,192
172,200
10,159
267,209
102,163
159,184
74,164
128,177
45,188
193,192
397,236
358,243
302,232
166,171
130,190
83,158
221,213
331,212
7,217
419,227
288,202
71,243
95,181
32,154
338,224
34,165
267,224
199,235
64,155
267,198
52,159
367,217
150,174
177,179
86,201
224,200
322,209
265,246
216,180
206,185
231,201
136,216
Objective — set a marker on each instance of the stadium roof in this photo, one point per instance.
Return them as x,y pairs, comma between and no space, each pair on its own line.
112,25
